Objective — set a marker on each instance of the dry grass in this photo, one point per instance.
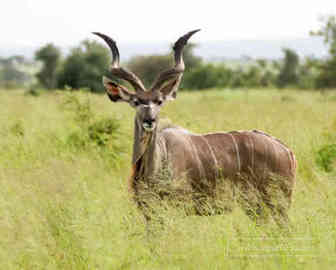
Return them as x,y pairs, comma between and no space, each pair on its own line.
65,208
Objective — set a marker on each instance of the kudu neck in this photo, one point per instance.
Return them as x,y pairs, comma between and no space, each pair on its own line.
144,144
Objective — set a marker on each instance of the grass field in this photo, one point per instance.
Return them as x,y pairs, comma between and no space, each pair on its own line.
64,201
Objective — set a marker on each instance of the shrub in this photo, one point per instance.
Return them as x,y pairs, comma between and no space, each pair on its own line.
103,131
34,91
208,76
77,140
287,98
101,134
17,129
326,156
81,109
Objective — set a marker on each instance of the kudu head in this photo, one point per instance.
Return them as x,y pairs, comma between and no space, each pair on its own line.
146,102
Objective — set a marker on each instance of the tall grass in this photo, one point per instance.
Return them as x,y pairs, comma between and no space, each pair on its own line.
68,208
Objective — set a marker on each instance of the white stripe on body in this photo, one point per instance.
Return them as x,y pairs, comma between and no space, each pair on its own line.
237,151
213,156
252,151
196,157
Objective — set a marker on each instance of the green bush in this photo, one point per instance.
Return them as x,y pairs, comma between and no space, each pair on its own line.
82,112
34,91
224,76
17,129
287,98
208,76
326,156
103,131
77,140
101,134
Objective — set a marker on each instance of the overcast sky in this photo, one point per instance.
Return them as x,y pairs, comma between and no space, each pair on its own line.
66,22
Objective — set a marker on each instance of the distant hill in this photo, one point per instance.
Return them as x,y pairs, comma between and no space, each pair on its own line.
211,51
271,49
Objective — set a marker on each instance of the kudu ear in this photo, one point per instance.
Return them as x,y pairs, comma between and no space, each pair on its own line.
169,90
116,92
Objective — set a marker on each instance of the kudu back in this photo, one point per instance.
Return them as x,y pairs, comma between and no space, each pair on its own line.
256,164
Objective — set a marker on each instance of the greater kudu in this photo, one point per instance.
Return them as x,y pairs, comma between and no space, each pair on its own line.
252,160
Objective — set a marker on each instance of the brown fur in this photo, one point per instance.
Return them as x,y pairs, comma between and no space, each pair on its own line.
261,167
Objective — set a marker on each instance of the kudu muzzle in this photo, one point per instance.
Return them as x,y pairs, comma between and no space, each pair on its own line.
147,117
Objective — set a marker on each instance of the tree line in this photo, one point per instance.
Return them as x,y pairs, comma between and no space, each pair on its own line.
84,66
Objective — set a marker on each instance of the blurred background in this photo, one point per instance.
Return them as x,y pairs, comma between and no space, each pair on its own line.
264,44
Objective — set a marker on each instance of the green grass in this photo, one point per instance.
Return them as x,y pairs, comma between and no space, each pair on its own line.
65,207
